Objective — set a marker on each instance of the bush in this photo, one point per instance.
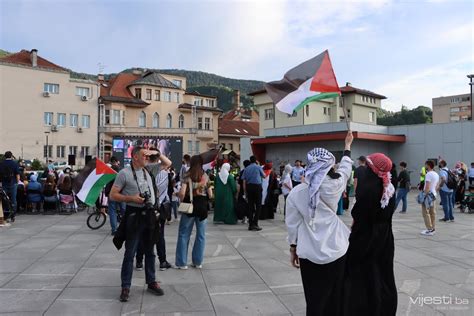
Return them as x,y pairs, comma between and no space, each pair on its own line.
36,165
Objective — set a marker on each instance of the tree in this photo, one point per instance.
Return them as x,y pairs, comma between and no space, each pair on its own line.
418,115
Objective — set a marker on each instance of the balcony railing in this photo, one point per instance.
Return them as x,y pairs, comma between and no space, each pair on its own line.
127,130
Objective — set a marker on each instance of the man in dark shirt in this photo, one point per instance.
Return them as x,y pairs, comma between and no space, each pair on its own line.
252,183
10,176
359,172
403,187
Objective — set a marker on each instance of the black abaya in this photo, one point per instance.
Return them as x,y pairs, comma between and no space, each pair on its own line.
370,282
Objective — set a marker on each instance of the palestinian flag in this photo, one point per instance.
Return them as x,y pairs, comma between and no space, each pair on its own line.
91,180
310,81
209,159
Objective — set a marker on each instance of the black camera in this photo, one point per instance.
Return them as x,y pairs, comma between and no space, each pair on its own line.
149,204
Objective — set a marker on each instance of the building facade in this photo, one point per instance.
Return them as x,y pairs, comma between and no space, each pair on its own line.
361,106
44,113
454,108
149,104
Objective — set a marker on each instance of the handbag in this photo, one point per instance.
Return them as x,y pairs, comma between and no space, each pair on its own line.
187,208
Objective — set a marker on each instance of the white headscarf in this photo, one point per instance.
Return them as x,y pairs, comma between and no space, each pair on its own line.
224,173
287,171
320,161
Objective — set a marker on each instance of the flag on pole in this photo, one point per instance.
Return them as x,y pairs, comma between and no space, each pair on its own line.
91,180
209,159
310,81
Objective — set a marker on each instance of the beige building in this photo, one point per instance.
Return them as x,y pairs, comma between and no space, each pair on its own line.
361,107
40,103
145,104
454,108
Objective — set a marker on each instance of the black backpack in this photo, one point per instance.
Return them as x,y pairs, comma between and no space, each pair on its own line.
452,182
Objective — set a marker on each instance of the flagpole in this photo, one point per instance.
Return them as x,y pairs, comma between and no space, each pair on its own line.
345,112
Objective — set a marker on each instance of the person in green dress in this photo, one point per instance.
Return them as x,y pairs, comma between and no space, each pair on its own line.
225,192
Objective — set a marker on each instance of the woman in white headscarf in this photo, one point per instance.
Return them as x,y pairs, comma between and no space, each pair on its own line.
286,183
225,192
318,238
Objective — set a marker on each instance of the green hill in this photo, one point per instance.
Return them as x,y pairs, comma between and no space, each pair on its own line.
3,53
418,115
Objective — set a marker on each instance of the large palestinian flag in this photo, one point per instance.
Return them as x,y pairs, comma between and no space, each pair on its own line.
91,180
209,159
310,81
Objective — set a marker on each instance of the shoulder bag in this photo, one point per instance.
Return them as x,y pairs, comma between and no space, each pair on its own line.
187,208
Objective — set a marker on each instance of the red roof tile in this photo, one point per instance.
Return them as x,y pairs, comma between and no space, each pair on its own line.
238,128
23,58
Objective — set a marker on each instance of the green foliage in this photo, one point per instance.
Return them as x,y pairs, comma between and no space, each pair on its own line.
418,115
36,165
224,96
3,53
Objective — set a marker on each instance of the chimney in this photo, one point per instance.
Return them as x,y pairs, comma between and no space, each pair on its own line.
34,57
137,71
348,84
236,99
100,77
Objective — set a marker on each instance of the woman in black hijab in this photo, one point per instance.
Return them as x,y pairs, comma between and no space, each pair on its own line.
370,282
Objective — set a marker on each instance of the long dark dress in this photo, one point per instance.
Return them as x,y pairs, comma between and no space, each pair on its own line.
271,200
370,282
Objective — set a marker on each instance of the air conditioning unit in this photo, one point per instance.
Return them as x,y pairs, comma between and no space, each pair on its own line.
83,98
46,94
54,128
79,129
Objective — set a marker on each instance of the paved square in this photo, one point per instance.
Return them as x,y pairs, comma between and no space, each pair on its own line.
55,265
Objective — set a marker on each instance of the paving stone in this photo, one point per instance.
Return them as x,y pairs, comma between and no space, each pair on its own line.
231,276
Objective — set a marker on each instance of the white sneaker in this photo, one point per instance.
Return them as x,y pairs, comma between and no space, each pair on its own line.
427,233
182,267
199,266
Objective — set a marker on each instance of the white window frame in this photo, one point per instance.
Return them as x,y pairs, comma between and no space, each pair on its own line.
181,121
83,92
48,151
176,97
86,121
167,96
61,119
177,82
197,146
199,122
51,88
198,101
156,120
269,114
116,117
48,118
73,122
73,150
169,121
207,123
157,95
60,151
142,119
190,146
371,117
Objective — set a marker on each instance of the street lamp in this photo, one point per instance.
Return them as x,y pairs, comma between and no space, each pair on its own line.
47,147
470,84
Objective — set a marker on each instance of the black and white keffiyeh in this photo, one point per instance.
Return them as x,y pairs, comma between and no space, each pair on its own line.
320,161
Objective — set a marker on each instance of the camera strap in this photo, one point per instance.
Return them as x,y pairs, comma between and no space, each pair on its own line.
136,180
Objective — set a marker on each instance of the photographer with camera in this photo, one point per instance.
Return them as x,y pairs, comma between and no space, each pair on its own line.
134,186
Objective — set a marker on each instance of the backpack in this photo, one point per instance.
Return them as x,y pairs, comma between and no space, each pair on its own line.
451,182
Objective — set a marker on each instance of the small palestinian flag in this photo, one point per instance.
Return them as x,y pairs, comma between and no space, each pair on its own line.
209,159
310,81
91,180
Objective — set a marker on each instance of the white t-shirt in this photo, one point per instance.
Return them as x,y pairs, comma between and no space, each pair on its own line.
471,172
285,184
433,178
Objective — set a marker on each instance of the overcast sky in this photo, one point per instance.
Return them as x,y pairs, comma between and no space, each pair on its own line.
409,51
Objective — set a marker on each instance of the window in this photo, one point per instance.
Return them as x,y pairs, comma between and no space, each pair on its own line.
454,118
199,122
60,151
269,114
307,109
47,151
176,97
177,82
73,150
231,146
116,117
190,146
156,120
198,101
181,121
167,96
86,121
371,117
142,119
157,95
455,100
123,117
48,118
107,116
325,110
82,92
62,119
210,103
207,123
294,114
138,93
329,111
452,110
51,88
148,94
73,120
84,151
169,121
197,149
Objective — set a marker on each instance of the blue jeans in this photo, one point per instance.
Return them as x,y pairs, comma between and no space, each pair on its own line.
174,208
447,201
184,234
402,195
113,207
131,245
11,191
